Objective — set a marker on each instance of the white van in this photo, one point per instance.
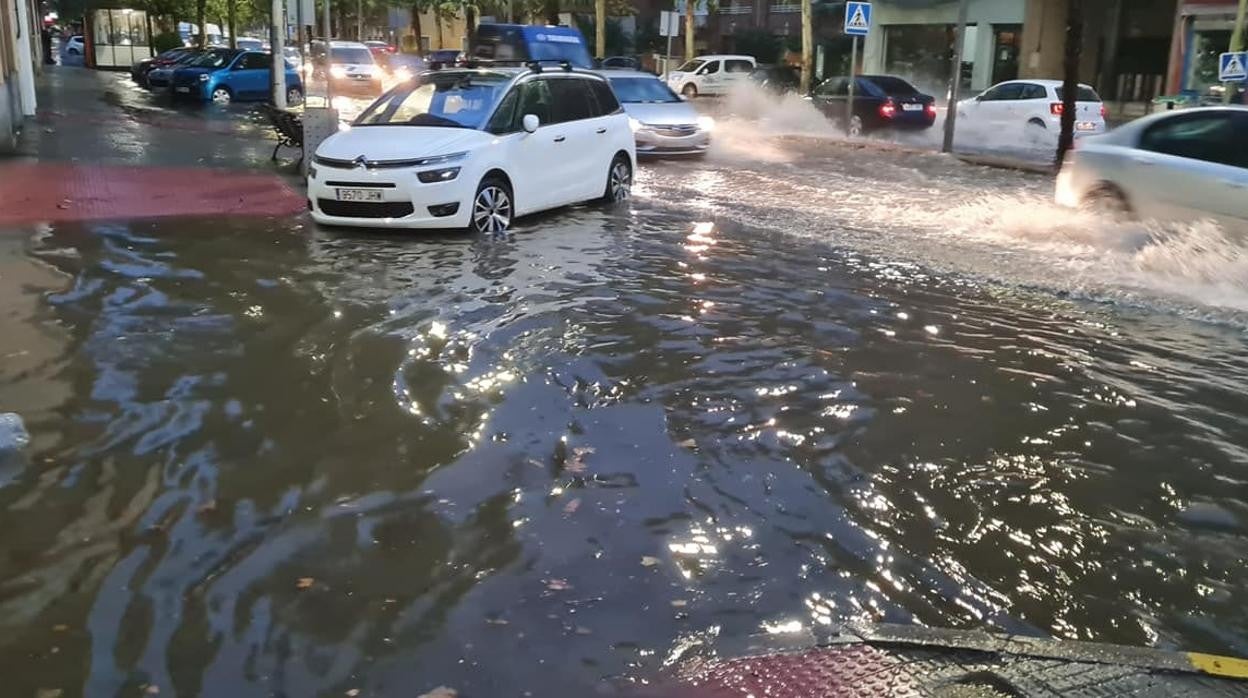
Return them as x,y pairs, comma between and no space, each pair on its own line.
711,75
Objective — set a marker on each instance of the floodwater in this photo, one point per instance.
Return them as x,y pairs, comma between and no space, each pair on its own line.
790,387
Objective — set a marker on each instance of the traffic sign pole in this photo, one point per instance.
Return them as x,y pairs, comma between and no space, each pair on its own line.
955,84
853,73
857,24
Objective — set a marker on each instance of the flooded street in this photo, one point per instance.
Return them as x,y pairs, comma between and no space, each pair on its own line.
276,460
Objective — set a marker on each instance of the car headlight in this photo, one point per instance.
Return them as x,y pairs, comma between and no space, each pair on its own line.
706,123
203,77
403,74
444,174
337,71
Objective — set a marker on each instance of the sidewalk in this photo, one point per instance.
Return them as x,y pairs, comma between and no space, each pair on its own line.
102,148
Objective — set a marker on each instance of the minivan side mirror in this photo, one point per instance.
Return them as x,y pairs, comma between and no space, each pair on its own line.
530,122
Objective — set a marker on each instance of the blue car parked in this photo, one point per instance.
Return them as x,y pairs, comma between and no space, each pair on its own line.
225,75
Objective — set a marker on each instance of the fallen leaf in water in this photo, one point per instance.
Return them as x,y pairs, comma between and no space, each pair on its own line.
679,603
305,583
152,690
649,561
687,443
576,464
572,506
353,692
440,692
582,630
558,584
49,693
60,628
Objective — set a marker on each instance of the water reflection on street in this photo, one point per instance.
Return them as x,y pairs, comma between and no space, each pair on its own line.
282,460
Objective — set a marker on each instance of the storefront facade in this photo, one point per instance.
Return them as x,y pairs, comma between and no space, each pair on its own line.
1202,32
913,39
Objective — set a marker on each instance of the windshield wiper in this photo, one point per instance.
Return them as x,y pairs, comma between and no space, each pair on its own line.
433,120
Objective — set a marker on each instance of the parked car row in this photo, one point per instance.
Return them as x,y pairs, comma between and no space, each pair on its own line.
218,75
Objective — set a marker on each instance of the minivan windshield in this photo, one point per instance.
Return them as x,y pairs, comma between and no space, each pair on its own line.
642,90
456,100
692,65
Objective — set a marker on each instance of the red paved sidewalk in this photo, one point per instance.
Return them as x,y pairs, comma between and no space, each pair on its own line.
47,192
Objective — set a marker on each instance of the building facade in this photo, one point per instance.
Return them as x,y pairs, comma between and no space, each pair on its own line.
1201,32
20,48
913,39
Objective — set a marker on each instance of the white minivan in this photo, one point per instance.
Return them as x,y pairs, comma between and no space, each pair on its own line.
468,148
711,75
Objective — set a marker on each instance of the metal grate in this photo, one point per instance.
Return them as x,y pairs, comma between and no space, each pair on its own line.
362,209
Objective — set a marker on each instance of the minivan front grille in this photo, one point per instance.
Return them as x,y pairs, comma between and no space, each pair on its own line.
364,209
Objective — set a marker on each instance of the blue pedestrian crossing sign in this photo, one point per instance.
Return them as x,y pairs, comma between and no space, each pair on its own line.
1233,67
857,18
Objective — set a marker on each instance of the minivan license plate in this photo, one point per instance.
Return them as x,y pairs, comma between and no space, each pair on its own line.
359,195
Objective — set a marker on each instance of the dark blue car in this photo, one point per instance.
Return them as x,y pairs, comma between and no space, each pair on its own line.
880,102
225,75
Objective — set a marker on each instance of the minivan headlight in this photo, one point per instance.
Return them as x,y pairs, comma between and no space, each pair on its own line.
443,159
444,174
706,123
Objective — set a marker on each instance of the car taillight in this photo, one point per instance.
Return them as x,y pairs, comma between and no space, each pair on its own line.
1104,112
1055,108
888,110
930,109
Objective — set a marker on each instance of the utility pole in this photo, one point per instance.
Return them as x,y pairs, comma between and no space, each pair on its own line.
1237,40
955,79
807,47
277,39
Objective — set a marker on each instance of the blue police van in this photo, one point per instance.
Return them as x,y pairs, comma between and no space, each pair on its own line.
521,42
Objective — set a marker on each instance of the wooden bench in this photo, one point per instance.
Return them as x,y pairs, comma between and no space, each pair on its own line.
289,129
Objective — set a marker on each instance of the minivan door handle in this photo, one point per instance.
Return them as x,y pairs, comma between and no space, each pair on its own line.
601,130
560,139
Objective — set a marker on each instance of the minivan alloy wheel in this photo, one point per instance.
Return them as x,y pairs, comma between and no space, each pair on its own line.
620,185
491,210
221,96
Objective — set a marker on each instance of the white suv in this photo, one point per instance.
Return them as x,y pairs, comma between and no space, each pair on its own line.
475,148
711,75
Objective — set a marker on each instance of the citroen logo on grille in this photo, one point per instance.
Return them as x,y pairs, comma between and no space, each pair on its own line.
361,162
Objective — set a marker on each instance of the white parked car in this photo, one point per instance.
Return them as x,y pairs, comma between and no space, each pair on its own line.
1181,165
1032,109
711,75
465,148
74,46
662,123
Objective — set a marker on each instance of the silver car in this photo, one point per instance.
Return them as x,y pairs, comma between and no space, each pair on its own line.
663,123
1178,166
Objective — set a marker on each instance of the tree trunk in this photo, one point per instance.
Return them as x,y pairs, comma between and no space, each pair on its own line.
551,10
437,21
600,28
808,49
420,47
229,21
201,16
689,6
1070,76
